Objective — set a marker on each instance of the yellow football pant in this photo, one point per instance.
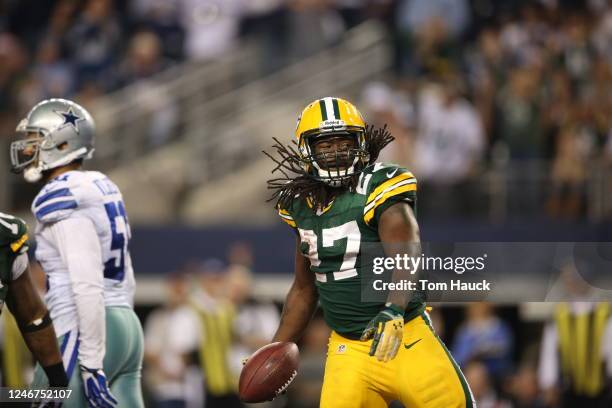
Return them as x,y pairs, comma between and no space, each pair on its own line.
423,374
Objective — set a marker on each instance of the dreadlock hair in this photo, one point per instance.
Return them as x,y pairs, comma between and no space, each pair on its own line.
294,181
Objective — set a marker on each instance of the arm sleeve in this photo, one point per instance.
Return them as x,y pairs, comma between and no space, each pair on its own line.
549,364
79,247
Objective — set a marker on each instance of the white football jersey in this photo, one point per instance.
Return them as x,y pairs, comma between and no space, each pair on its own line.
91,195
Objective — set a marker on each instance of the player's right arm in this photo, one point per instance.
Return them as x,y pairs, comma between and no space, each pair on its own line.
36,327
301,301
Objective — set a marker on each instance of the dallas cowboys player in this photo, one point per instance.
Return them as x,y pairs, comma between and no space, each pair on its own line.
82,236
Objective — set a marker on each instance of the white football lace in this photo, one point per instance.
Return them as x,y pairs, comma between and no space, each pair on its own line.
285,385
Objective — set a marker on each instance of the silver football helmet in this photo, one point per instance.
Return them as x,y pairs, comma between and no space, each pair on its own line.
55,132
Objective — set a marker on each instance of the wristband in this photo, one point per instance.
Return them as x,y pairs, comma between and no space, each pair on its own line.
56,375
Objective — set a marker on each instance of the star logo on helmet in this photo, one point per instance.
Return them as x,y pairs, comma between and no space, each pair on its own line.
70,119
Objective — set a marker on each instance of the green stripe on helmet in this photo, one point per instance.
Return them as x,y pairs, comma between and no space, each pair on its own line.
323,110
336,108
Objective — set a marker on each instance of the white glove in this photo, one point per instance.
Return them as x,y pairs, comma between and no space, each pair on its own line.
96,388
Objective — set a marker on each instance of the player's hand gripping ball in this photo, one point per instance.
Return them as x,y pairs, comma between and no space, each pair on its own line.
268,372
387,331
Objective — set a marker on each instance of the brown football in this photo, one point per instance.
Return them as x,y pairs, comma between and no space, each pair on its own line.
268,372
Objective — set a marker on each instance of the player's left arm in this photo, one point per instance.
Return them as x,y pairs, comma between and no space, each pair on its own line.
399,233
35,325
24,302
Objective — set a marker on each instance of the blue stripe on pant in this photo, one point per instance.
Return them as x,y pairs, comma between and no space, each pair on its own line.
64,344
69,350
73,359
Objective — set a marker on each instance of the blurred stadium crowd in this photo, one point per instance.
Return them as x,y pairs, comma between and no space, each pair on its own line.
527,91
522,87
85,48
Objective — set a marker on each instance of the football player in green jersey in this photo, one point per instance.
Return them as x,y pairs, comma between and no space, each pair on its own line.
338,199
21,297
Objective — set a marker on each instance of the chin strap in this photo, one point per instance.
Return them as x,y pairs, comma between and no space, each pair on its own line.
32,174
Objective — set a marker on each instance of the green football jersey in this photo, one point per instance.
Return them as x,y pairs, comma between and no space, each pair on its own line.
13,241
332,239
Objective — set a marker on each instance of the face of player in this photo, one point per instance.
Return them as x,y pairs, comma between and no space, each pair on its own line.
334,152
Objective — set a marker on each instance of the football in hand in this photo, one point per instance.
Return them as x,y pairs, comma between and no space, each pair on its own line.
268,372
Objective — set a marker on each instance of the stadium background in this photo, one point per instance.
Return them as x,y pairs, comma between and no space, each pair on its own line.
501,109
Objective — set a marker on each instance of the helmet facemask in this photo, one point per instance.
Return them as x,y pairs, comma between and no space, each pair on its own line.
335,167
25,154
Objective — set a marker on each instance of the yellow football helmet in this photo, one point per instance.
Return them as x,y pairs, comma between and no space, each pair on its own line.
327,117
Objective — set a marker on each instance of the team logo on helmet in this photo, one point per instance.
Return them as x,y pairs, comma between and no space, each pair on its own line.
70,119
332,124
